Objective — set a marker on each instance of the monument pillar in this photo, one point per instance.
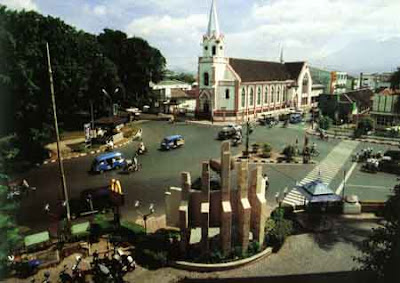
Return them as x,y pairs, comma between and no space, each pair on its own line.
226,208
244,208
258,205
184,212
205,206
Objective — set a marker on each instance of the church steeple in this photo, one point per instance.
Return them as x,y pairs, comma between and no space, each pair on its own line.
281,56
213,40
213,25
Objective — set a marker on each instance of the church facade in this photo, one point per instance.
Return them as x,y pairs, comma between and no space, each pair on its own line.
233,89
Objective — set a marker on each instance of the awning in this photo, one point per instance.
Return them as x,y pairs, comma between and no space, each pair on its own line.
36,239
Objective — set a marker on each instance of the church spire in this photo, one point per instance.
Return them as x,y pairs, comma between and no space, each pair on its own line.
213,26
281,56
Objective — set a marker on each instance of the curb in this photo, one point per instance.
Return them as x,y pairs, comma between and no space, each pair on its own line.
359,140
74,156
203,267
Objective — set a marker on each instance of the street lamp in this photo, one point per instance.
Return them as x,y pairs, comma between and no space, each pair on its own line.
110,98
145,216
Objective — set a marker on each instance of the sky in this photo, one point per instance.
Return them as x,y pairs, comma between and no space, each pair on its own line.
346,35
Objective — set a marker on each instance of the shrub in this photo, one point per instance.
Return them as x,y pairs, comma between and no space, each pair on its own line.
266,150
289,152
256,147
153,259
325,123
365,125
254,247
277,229
216,256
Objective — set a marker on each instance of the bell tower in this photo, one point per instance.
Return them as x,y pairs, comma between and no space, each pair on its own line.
212,66
213,40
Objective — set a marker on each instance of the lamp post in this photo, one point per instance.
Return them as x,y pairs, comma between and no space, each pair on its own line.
146,215
110,98
59,156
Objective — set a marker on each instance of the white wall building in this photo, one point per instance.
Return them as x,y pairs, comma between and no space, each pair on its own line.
241,89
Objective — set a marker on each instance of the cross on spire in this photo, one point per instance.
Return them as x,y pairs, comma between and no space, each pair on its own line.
213,26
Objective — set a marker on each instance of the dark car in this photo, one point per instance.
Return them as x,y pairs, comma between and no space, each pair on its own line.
295,118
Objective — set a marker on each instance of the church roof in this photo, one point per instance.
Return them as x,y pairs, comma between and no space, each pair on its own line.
258,71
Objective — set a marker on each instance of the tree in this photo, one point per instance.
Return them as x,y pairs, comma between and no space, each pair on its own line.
381,250
365,125
289,152
395,79
9,232
325,123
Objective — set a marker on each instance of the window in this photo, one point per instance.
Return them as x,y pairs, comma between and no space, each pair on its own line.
251,98
278,95
259,96
205,47
227,93
221,47
272,94
284,94
206,79
214,50
243,98
266,95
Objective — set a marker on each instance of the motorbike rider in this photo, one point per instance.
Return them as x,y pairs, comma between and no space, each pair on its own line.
141,148
135,162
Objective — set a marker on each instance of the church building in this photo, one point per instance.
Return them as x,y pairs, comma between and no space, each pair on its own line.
233,89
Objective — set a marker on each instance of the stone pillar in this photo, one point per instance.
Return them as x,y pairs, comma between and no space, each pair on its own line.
205,206
184,212
258,205
173,197
226,208
244,209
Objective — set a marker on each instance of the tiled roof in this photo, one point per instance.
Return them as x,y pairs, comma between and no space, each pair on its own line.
178,93
258,71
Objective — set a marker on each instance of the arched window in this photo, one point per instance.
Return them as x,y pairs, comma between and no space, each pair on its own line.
305,84
272,94
206,79
227,93
214,50
266,95
259,96
278,94
284,94
243,98
251,98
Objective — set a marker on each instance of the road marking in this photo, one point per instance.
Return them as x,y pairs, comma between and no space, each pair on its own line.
326,170
340,188
367,187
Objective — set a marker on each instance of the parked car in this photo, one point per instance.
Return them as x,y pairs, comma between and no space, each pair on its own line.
229,131
295,118
173,141
108,161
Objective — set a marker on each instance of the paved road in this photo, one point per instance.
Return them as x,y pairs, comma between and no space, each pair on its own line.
162,169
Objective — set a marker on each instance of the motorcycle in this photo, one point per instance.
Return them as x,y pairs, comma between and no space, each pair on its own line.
77,274
131,167
64,276
139,151
236,141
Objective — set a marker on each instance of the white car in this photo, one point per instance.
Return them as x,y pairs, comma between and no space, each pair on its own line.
234,126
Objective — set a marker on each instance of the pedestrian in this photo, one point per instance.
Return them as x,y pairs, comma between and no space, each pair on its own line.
266,181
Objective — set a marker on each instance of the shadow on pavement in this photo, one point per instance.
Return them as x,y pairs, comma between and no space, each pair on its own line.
331,277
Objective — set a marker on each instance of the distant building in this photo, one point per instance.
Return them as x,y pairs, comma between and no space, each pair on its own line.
240,89
321,77
376,81
386,108
346,106
338,82
169,94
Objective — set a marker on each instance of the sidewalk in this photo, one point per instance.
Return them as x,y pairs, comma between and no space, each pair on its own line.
343,137
67,153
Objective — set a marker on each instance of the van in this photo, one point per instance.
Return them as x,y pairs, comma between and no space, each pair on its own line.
108,161
172,142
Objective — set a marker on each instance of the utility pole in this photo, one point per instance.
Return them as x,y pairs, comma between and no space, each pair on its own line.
60,162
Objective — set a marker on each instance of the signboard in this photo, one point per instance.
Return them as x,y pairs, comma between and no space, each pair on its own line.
86,130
